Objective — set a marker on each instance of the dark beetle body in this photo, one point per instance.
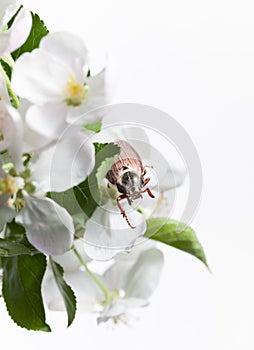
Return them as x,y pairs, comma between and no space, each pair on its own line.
127,174
127,170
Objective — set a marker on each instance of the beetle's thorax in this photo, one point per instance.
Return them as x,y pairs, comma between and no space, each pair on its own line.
130,182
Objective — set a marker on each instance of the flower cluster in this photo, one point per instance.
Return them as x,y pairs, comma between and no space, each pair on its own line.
59,213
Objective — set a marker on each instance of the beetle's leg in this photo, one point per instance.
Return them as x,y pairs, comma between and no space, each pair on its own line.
149,192
121,197
144,171
146,181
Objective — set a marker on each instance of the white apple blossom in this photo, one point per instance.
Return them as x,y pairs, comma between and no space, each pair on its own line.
135,278
107,233
55,79
56,167
49,227
130,281
14,37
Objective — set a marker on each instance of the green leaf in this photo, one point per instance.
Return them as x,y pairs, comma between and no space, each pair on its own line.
66,199
95,127
88,193
65,290
15,230
22,278
9,248
175,234
103,169
38,31
9,24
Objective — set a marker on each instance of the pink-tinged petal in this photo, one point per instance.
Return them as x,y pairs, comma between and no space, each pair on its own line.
11,127
144,277
39,77
65,164
16,36
49,227
107,232
68,49
47,120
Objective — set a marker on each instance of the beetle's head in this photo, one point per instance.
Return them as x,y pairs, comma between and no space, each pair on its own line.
130,183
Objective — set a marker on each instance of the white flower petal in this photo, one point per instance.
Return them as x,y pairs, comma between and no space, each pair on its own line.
12,130
107,232
89,112
69,260
65,164
167,175
39,77
47,120
4,197
51,295
80,116
15,37
120,307
116,275
68,49
3,91
32,140
97,96
49,227
143,278
86,291
6,215
7,9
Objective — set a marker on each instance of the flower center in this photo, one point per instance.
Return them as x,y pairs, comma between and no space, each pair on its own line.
10,185
75,92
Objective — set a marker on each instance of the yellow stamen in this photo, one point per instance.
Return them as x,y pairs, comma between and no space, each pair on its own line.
75,92
8,185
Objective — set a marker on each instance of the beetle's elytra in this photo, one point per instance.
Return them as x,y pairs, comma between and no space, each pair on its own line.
128,175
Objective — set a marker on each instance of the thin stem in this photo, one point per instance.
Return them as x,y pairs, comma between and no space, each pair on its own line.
105,291
13,96
9,60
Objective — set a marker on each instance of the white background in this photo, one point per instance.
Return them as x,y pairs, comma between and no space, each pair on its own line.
195,61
